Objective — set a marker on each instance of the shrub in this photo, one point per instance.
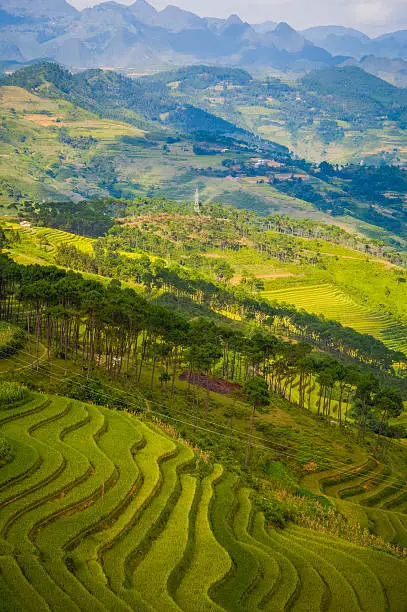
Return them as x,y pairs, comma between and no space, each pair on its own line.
4,448
11,392
277,511
279,474
11,340
96,392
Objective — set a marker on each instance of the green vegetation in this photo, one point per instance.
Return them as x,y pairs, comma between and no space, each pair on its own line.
63,541
331,302
203,407
11,392
163,134
11,339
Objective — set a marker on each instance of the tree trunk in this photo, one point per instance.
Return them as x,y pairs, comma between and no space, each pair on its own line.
207,396
249,438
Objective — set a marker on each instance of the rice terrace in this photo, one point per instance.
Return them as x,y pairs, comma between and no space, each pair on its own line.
203,307
95,525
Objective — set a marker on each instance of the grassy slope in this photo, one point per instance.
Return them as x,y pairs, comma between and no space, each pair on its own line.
32,125
62,543
295,434
34,162
269,119
340,287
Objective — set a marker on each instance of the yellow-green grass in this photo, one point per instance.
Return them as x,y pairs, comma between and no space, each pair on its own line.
338,593
101,513
371,484
246,569
310,587
23,359
23,101
369,495
329,301
98,551
153,574
102,129
159,482
209,562
136,541
33,160
356,579
6,333
113,478
46,241
261,595
17,592
51,460
253,117
389,569
24,458
287,588
45,112
21,513
56,238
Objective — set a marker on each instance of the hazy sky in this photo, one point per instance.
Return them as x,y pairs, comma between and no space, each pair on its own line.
371,16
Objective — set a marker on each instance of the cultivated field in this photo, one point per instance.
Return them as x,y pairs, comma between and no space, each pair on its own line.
88,523
370,494
331,302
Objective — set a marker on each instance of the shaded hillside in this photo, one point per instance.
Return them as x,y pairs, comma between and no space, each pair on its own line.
101,133
357,92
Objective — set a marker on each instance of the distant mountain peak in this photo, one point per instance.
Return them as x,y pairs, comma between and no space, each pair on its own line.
38,8
144,11
283,29
143,4
110,4
177,19
234,20
263,28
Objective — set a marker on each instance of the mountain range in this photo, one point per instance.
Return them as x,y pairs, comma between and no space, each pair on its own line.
142,39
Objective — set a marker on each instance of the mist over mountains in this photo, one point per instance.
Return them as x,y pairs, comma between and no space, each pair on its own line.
142,39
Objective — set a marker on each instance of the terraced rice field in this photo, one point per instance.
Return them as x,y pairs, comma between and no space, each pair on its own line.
55,238
369,494
334,304
101,511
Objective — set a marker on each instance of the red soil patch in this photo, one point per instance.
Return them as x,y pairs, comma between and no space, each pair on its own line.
42,119
218,385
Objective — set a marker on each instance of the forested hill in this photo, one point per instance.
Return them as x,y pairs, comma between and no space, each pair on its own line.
99,133
201,254
113,95
359,92
354,82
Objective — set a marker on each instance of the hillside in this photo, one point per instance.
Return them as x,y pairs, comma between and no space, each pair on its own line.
164,135
181,429
203,312
327,275
154,525
335,114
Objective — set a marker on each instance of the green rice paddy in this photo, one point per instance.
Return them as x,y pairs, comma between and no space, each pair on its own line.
102,511
329,301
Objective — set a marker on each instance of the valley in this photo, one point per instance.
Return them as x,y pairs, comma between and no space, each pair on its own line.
203,310
56,124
